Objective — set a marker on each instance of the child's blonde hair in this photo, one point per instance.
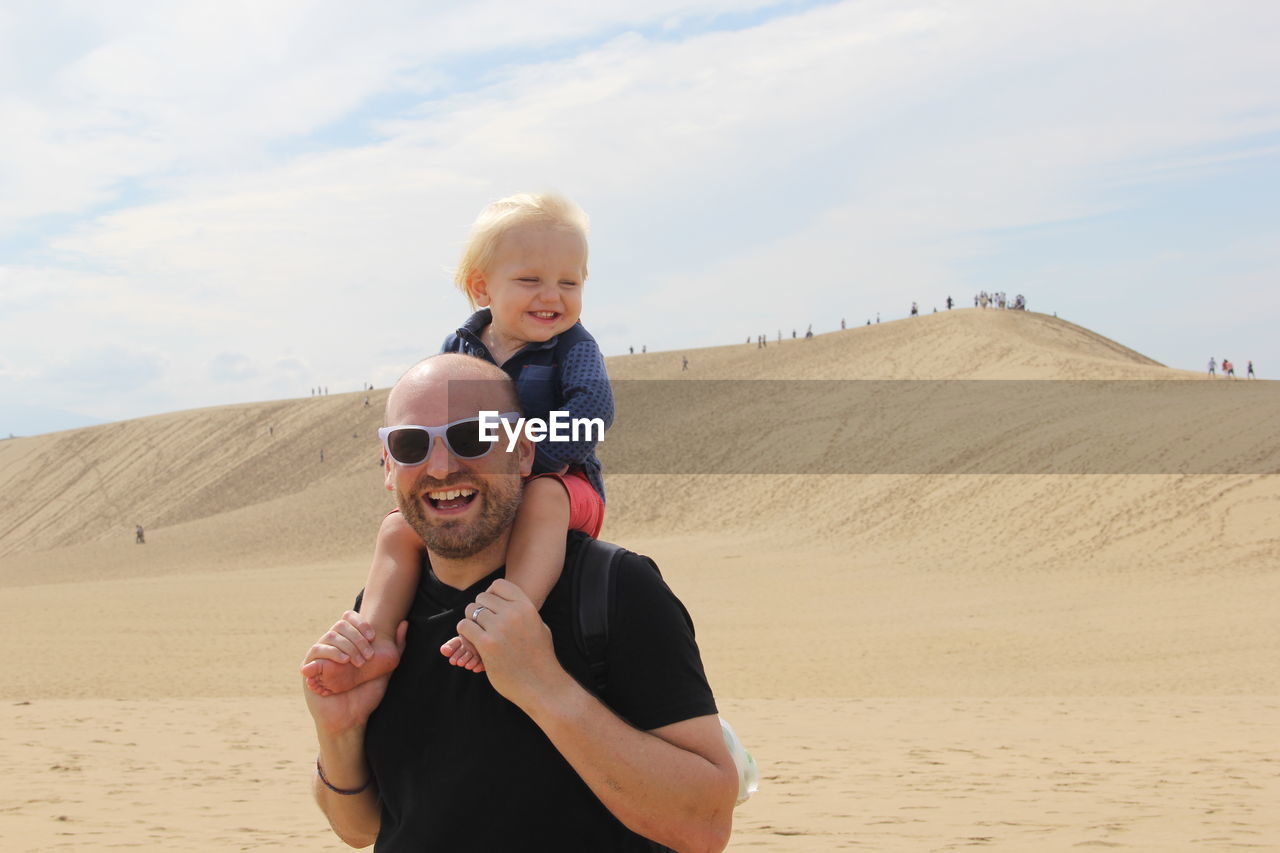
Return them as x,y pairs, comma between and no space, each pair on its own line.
548,209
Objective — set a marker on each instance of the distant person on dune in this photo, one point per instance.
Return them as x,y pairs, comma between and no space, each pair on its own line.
1212,365
523,268
1250,375
139,535
1228,369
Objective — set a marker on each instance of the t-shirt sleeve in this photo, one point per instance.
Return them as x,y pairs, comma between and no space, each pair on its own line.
584,393
655,670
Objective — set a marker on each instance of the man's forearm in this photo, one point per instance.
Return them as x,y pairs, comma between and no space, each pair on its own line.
675,785
354,817
661,785
340,720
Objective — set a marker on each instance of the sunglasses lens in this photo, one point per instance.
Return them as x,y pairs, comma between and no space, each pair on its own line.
409,446
464,439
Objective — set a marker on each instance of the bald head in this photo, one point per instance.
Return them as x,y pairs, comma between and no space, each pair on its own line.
459,385
465,543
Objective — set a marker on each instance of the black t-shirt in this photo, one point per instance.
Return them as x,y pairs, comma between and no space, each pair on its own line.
460,768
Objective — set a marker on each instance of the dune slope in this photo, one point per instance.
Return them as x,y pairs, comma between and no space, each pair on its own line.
1043,622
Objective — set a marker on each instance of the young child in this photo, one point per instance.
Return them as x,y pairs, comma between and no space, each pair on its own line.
523,268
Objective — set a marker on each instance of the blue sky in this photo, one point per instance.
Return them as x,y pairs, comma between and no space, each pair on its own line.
208,203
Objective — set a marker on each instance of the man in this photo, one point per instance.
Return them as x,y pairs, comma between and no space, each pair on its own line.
522,757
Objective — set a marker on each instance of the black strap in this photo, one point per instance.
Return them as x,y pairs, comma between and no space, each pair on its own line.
592,598
592,592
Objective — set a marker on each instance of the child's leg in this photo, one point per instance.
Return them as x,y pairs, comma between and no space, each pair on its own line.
393,579
535,554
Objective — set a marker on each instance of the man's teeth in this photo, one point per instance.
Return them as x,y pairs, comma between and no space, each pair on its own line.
545,315
451,494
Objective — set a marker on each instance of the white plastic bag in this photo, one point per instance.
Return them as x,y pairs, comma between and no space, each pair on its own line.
748,773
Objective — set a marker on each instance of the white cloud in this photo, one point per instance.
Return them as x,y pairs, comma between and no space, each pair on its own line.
108,368
233,367
840,159
140,90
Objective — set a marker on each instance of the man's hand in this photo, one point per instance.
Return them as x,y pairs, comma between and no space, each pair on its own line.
340,721
349,639
505,627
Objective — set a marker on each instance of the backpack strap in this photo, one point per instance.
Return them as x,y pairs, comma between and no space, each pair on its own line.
592,596
592,600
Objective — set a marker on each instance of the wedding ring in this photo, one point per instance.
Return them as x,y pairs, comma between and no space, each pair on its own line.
475,614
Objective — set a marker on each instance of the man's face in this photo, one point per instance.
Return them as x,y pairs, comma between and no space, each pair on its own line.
458,506
462,514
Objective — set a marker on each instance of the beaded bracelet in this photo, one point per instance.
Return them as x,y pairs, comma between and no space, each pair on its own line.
343,791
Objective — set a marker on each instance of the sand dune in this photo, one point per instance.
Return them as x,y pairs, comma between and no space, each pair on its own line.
1010,654
93,484
965,344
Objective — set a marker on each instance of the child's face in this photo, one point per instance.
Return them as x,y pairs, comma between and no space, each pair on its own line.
534,284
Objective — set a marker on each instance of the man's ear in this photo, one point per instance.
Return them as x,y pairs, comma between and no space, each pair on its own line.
479,289
388,471
527,451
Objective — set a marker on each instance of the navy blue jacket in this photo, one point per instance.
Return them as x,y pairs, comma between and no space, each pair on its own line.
565,373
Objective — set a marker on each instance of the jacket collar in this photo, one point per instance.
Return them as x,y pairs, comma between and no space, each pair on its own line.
471,329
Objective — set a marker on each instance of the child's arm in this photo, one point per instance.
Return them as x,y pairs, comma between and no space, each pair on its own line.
393,579
584,393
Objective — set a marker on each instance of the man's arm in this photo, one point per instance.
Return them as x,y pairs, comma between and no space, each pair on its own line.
675,785
340,721
355,818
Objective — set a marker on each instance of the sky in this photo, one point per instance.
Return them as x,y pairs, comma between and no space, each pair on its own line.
205,203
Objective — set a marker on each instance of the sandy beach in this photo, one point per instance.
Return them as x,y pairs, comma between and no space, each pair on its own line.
929,659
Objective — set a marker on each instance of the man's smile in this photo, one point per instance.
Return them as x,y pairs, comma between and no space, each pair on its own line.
450,501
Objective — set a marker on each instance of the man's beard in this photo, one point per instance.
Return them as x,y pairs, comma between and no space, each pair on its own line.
499,498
